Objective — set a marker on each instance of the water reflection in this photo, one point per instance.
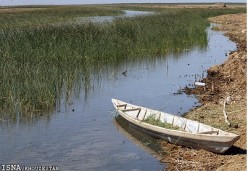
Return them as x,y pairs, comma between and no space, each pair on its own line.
145,142
80,134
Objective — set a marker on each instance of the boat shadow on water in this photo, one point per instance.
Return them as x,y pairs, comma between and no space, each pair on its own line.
144,141
151,144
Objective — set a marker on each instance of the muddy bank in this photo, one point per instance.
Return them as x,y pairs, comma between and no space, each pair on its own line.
225,80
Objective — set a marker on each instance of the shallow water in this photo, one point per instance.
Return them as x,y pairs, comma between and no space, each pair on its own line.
84,135
102,19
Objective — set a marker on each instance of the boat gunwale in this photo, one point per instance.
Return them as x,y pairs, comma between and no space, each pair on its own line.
228,137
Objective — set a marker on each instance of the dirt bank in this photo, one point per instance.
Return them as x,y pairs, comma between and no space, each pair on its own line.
225,80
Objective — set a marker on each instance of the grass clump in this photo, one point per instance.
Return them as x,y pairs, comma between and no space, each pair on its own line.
153,121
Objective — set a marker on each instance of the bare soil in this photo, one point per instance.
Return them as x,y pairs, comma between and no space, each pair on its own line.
225,80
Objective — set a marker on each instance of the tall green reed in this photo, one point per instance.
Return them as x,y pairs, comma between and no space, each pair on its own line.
40,63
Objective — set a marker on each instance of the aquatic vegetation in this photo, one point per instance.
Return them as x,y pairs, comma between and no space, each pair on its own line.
41,61
35,16
152,120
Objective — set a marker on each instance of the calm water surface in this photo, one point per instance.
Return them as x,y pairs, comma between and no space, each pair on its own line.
101,19
84,134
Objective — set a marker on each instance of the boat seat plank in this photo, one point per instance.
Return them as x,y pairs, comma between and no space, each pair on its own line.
132,109
144,115
122,105
208,132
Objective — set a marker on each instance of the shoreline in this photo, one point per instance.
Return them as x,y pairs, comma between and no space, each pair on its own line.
225,80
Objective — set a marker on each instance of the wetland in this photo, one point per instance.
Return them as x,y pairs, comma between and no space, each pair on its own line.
57,81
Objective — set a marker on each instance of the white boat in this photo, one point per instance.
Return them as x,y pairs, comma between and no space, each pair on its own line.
190,133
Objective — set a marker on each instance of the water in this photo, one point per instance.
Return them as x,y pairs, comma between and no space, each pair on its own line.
84,135
102,19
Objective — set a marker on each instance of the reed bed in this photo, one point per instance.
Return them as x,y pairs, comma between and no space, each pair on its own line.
41,62
35,16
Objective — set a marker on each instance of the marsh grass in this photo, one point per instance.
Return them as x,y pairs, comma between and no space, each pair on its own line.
40,61
35,16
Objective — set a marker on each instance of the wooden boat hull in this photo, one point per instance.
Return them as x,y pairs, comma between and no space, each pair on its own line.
216,147
218,143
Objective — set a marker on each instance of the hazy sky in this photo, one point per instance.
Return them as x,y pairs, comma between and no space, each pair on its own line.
49,2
